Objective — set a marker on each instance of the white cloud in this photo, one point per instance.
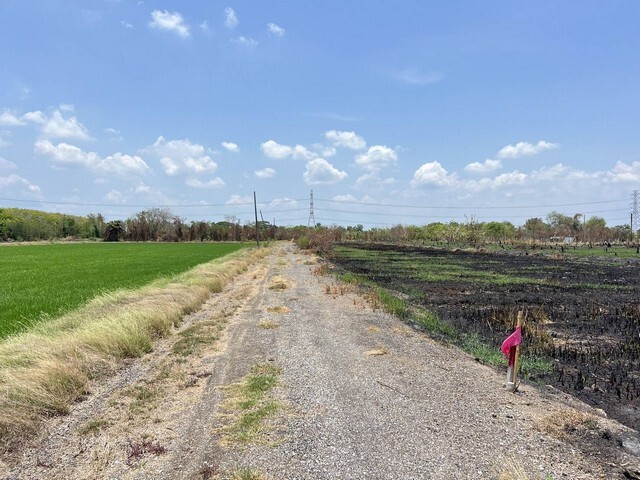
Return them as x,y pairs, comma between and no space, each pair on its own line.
246,42
522,149
230,18
511,178
276,30
345,198
378,156
115,196
433,173
182,156
35,117
66,154
623,172
7,165
197,183
9,119
232,147
283,202
373,179
4,143
239,200
204,26
415,77
13,179
66,107
170,21
327,152
59,127
320,172
487,166
125,24
265,173
346,139
275,150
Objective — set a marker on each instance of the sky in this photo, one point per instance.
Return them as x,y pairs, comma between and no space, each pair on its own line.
404,112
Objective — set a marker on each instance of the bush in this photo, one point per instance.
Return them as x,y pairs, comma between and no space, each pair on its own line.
303,242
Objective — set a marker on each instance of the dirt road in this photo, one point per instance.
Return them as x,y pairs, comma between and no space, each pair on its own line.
343,392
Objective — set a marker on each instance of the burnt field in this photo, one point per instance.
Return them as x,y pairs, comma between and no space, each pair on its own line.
583,313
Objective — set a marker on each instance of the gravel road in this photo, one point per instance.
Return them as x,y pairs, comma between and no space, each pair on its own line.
362,395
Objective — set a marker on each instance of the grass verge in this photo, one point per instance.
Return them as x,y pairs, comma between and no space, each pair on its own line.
249,403
45,369
472,343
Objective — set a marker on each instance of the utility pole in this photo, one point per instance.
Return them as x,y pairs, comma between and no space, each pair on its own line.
635,197
255,207
312,217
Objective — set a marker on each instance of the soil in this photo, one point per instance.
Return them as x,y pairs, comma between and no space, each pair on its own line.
584,313
359,395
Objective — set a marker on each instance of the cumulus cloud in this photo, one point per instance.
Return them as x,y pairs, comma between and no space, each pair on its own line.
69,155
197,183
7,165
9,119
623,172
59,127
373,180
415,77
246,42
182,156
115,196
171,22
433,173
17,180
265,173
35,117
276,30
232,147
239,200
320,172
377,157
484,167
522,149
346,139
230,18
273,149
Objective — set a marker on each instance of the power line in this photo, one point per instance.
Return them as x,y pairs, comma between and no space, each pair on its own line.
312,217
467,208
157,205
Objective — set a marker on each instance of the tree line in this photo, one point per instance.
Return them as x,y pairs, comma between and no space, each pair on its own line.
160,224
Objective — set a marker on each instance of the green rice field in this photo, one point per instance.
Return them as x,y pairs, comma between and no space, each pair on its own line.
47,280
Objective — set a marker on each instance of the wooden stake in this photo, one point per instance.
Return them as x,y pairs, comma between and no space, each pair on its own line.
515,361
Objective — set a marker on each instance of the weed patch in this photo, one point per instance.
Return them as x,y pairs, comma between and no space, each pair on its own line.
377,351
135,450
565,424
249,404
280,309
268,324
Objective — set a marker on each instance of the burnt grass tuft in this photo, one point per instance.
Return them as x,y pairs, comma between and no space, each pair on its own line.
583,313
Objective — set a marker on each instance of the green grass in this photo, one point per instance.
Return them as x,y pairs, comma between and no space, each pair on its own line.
40,281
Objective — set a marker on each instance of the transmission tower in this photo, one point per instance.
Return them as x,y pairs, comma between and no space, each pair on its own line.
312,217
635,220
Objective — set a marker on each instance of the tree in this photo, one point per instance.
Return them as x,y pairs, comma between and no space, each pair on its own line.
536,228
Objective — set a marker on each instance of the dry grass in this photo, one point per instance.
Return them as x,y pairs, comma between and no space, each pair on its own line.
278,309
268,324
373,329
513,470
44,370
377,351
564,424
279,283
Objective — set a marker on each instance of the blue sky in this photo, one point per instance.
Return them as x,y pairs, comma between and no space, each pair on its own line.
392,112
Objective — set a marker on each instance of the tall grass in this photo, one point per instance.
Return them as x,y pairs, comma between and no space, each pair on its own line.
43,370
47,280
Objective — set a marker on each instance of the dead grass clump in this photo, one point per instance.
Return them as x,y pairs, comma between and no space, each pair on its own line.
268,324
279,283
47,368
565,424
377,351
280,309
513,470
373,329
